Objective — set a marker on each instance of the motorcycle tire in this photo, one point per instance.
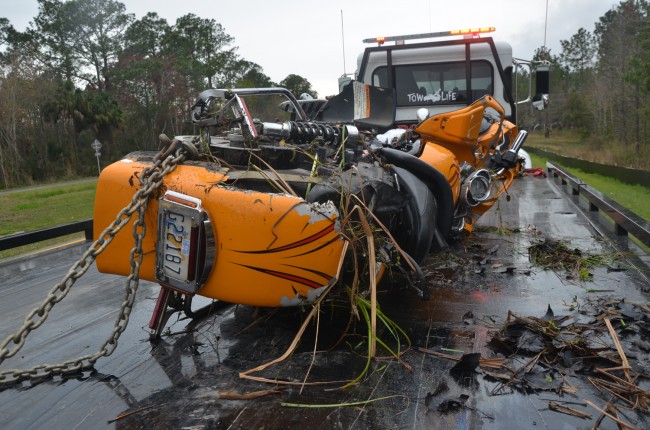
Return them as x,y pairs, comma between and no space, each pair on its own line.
438,185
415,230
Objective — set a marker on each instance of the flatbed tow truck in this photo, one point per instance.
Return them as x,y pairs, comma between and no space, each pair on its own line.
504,342
184,381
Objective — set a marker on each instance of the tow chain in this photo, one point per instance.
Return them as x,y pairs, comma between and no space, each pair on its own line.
151,179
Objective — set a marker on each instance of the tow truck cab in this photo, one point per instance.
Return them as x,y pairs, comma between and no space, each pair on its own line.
445,75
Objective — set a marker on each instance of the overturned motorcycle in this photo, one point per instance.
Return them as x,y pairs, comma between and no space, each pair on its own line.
264,210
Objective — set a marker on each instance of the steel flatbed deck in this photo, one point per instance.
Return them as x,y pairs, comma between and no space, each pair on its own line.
179,382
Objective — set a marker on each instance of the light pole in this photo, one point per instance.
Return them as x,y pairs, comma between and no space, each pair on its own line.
96,145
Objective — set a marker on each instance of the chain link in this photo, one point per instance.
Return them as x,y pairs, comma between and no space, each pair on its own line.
150,180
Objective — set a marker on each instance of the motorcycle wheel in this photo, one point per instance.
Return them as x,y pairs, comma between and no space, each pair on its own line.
415,230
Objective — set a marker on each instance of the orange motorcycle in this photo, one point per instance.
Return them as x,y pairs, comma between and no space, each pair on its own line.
259,210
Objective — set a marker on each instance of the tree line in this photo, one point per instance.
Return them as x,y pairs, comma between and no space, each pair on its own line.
87,69
600,81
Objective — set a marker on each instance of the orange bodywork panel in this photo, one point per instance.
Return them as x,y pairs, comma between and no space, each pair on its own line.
461,126
271,249
458,130
453,138
446,163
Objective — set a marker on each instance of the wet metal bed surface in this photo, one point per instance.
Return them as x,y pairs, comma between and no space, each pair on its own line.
176,383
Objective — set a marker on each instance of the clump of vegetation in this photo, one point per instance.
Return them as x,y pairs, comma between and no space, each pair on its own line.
500,230
364,259
558,256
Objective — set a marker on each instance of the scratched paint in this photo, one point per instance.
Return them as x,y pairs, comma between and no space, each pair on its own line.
312,296
317,211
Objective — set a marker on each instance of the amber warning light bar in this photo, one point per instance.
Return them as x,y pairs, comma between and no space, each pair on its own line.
466,31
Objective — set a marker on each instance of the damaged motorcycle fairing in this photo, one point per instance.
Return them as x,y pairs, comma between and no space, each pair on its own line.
272,246
269,246
272,193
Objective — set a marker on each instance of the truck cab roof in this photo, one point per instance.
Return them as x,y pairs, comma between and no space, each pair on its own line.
440,75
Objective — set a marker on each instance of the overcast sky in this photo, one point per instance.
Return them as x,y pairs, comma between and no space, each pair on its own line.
305,36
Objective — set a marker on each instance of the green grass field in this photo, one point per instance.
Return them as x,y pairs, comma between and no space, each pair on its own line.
30,210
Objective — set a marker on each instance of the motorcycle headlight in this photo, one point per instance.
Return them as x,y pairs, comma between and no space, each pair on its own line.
479,186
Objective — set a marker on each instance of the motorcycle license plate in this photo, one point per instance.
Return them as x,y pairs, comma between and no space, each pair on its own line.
178,246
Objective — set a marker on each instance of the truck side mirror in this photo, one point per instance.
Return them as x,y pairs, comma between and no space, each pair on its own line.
542,85
540,101
542,78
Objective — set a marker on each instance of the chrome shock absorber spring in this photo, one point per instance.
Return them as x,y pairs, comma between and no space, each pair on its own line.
305,131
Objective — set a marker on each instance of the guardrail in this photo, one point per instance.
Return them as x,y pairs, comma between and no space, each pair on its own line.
625,221
624,174
21,239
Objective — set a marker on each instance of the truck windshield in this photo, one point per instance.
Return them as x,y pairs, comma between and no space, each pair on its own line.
438,83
